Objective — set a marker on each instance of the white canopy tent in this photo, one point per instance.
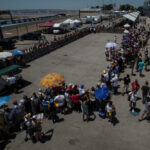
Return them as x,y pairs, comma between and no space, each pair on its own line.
77,21
126,32
68,21
126,25
132,16
128,16
4,55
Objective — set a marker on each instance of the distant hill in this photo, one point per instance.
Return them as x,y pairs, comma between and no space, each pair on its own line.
42,11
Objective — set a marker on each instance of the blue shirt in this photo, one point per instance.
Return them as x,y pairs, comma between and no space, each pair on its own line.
141,64
45,104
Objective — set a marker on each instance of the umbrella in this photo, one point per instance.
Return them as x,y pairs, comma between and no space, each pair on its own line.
102,93
127,38
124,43
17,52
5,55
109,45
4,100
126,32
114,44
52,80
126,25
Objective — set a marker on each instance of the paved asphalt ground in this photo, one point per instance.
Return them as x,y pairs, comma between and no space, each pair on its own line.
81,62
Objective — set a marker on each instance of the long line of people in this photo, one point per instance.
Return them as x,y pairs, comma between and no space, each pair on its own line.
69,97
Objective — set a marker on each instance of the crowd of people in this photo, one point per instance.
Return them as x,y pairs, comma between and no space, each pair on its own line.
66,98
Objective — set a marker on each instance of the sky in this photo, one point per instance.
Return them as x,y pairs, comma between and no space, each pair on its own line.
61,4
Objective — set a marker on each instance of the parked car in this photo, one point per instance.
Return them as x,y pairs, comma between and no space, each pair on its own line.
7,44
31,36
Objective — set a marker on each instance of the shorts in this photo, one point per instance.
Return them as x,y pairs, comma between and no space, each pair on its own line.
107,55
85,112
145,110
125,86
30,132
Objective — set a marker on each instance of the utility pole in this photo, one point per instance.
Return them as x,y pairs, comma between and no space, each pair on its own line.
103,4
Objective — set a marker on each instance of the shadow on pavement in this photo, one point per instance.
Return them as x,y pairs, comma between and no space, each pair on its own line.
5,141
47,136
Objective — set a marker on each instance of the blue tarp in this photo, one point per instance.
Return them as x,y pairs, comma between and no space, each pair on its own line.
17,52
102,93
4,100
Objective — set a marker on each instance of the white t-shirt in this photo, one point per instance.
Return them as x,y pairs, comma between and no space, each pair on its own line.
60,99
81,91
106,76
114,81
12,80
67,96
103,85
133,97
109,108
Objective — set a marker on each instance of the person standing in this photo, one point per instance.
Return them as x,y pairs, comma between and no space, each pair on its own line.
145,91
115,39
126,81
110,111
146,111
107,54
135,85
84,107
132,66
146,62
114,82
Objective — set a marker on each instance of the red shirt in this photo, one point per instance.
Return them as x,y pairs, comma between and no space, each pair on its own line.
75,98
135,86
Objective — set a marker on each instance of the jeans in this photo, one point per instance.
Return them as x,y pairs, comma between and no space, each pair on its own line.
53,116
115,90
144,98
140,72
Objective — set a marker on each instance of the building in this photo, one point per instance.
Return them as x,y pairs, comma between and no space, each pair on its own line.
146,8
89,12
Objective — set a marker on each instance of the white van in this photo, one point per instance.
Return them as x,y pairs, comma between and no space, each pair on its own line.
96,19
87,19
59,28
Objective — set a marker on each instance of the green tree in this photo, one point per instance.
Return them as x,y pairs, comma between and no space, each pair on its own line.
126,7
108,7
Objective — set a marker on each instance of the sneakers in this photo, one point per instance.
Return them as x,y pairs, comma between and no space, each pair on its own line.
133,110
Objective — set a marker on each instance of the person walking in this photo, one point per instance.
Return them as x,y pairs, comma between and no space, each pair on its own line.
146,111
145,91
141,65
132,97
126,81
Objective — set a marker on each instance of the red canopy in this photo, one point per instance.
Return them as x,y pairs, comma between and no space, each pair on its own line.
48,24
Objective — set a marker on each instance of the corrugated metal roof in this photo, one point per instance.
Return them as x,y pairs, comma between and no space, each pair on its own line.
132,16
